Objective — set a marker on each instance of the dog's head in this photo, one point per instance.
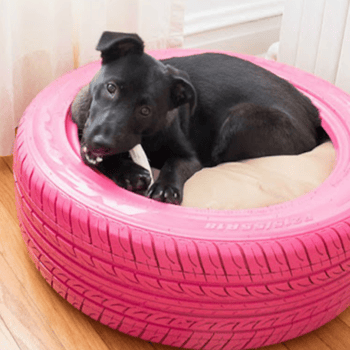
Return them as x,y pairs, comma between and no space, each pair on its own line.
132,95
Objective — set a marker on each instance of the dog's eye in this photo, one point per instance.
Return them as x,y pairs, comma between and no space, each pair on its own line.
145,111
111,88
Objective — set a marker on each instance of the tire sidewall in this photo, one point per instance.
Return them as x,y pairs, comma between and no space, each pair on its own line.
53,148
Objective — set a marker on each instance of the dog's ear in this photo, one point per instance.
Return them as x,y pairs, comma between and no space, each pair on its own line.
181,90
115,45
80,108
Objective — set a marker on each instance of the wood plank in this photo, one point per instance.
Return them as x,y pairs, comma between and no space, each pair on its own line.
345,317
336,334
9,161
6,339
20,314
275,347
7,197
307,342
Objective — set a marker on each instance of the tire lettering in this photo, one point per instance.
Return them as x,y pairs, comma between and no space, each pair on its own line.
261,226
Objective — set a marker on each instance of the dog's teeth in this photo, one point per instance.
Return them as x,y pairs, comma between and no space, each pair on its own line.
90,157
93,161
90,160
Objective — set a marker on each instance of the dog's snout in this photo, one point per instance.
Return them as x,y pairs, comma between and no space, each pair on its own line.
98,137
100,141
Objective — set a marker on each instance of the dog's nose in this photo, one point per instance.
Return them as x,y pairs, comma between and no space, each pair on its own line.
100,142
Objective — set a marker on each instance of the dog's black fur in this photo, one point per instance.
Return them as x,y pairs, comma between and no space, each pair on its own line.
187,112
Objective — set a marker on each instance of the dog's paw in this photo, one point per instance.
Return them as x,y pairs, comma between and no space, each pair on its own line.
165,193
133,177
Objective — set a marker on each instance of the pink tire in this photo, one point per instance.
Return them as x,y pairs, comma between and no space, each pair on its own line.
191,278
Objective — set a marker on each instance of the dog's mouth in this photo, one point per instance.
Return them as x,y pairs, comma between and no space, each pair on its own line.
89,157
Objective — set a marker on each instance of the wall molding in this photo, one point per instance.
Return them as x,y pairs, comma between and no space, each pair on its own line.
231,15
249,27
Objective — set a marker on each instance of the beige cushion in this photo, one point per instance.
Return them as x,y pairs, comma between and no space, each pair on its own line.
259,182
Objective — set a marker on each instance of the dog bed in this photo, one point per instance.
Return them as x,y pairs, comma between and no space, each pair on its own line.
261,182
183,276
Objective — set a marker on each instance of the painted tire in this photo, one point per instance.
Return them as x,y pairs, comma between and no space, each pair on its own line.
198,279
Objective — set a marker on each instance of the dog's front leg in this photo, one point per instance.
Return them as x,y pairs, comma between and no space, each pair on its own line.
181,162
172,177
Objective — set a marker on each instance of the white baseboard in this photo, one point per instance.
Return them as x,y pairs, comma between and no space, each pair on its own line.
248,28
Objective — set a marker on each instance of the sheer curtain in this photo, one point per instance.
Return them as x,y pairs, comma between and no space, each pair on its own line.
315,36
43,39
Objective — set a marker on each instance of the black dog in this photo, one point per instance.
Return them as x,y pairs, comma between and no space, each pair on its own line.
187,113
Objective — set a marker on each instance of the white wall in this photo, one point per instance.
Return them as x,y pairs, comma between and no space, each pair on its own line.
245,26
194,7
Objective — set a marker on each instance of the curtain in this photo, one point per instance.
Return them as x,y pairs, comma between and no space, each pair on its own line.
315,37
43,39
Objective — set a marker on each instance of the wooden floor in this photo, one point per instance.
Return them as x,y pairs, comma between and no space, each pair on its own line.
34,317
